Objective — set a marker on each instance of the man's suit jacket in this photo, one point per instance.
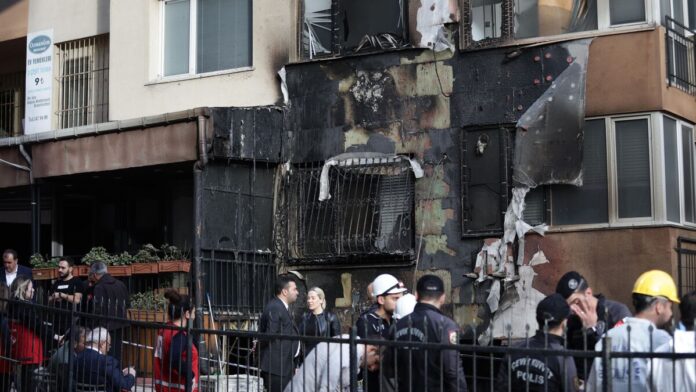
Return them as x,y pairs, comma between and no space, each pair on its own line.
94,368
277,355
21,271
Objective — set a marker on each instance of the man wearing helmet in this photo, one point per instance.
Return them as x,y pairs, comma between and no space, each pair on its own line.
375,322
654,293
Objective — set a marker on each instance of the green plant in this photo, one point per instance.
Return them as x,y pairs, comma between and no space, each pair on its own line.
122,259
96,254
38,261
147,254
171,252
147,301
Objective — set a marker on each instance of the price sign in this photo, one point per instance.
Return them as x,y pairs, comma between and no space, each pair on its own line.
39,82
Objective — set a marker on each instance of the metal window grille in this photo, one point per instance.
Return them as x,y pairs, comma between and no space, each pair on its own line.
681,56
370,211
83,81
11,103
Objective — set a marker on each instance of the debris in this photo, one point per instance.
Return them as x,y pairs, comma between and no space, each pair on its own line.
284,85
494,296
317,27
538,259
431,21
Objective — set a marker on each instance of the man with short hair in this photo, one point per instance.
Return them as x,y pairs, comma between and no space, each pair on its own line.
653,295
60,360
277,355
592,316
678,375
12,268
94,367
419,369
542,373
375,322
67,291
109,297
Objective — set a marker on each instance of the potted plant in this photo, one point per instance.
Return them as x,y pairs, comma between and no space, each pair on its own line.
119,265
148,306
145,261
173,259
43,269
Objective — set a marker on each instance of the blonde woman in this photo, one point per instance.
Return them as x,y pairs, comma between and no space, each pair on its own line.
317,321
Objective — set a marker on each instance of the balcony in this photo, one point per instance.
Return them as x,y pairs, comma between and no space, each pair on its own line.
681,56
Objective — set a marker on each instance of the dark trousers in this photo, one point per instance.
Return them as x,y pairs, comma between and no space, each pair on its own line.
274,382
116,351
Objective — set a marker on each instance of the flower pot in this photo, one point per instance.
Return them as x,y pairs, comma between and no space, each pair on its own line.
119,270
174,266
156,316
44,273
81,270
144,268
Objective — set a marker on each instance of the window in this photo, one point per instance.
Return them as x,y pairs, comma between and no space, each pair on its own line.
688,174
83,81
494,20
370,211
671,151
203,36
11,103
633,168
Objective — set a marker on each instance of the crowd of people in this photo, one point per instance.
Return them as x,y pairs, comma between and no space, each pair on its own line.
426,353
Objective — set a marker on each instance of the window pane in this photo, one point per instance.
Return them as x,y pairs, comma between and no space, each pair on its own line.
573,205
626,11
486,19
688,162
535,208
633,168
224,34
538,18
671,170
176,37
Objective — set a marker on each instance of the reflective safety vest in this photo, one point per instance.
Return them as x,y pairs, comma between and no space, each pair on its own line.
168,378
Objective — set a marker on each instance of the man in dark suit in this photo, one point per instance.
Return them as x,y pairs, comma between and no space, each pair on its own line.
12,268
94,367
277,355
109,297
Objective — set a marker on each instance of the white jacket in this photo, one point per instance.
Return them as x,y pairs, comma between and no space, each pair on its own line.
642,341
325,369
679,375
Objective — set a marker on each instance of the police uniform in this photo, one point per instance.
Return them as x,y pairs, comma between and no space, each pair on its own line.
417,369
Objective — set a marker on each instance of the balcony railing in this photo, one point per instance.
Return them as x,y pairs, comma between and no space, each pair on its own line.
681,56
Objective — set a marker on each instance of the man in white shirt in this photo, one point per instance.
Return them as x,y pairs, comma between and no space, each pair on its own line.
678,375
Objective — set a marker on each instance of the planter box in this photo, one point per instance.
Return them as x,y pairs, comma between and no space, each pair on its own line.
174,266
144,268
119,270
156,316
44,273
81,270
180,290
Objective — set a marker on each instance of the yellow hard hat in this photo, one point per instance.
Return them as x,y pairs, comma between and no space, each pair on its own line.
656,283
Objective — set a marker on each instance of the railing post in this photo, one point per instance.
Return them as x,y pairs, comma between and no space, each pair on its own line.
353,359
189,347
606,359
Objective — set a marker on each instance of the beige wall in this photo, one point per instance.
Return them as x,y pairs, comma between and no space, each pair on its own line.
13,19
135,47
69,19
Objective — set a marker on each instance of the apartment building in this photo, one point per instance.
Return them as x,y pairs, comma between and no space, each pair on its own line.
398,136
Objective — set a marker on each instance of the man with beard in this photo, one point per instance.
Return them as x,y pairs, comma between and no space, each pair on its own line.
66,292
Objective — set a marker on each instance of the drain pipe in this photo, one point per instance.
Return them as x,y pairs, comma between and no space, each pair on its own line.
198,168
35,207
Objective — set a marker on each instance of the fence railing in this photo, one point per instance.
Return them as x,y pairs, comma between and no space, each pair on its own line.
681,56
107,352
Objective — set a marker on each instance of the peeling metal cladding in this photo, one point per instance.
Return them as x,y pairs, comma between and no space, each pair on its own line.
248,133
432,18
548,145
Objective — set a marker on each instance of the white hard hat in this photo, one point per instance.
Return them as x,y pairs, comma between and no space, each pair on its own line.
386,284
404,306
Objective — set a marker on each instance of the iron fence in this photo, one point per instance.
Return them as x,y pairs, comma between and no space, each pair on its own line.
148,352
686,265
681,56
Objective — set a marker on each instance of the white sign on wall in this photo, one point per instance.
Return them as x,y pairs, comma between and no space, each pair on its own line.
39,82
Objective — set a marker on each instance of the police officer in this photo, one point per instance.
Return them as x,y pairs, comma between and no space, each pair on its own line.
418,369
592,316
375,322
529,372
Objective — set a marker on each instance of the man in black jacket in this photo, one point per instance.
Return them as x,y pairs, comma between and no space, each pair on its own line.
592,316
417,369
277,355
541,373
108,297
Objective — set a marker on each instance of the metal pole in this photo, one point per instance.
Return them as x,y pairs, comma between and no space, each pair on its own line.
198,217
354,359
606,358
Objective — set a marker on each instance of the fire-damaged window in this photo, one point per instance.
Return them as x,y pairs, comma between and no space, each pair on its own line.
491,21
337,27
368,210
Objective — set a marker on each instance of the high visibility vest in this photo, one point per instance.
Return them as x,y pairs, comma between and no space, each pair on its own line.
169,378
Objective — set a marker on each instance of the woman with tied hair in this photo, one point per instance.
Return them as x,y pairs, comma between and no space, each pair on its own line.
317,321
172,371
32,338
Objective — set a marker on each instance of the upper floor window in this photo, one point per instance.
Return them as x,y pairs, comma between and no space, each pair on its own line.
201,36
11,103
501,20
